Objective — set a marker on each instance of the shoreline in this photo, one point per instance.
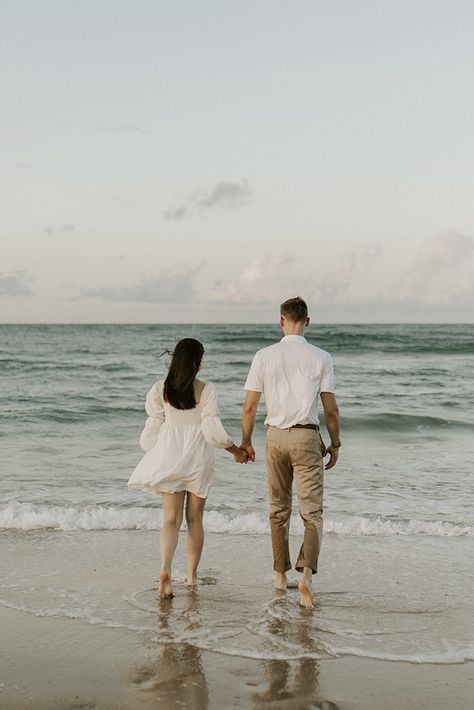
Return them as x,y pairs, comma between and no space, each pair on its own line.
72,665
83,628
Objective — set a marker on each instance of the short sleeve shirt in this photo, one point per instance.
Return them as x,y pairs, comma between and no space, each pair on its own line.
291,374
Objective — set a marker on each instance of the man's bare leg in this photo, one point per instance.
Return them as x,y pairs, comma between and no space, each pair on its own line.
172,518
280,581
304,588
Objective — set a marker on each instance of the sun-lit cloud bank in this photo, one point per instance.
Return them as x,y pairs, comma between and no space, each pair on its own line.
438,282
169,286
365,284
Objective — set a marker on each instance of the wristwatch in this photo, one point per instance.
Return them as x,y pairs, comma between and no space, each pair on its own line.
336,446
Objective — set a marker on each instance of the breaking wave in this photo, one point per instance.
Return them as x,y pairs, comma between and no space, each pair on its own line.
29,516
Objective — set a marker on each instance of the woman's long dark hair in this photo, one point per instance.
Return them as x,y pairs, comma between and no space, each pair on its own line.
178,388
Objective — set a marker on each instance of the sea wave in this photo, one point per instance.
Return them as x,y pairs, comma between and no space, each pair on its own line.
89,408
401,422
29,516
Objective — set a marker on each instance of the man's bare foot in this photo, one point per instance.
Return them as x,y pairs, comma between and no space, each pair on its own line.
306,594
191,580
165,588
280,581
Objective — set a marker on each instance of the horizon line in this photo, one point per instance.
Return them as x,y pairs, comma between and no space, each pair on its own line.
227,323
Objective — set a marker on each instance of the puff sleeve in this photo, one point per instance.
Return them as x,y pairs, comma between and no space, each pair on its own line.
212,429
156,417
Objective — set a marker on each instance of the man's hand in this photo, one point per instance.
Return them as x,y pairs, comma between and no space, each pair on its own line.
240,456
333,453
250,451
331,416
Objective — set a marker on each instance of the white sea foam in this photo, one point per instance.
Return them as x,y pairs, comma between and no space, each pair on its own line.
451,656
277,649
357,525
28,516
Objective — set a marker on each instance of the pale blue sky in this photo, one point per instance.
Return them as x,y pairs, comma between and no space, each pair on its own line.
184,161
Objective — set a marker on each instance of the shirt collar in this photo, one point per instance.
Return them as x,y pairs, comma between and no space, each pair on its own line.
293,337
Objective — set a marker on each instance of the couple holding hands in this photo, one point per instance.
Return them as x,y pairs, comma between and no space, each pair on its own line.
184,426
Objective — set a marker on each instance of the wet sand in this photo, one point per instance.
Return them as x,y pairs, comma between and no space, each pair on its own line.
64,664
82,628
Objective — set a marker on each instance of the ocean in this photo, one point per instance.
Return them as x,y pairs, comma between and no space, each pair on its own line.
397,558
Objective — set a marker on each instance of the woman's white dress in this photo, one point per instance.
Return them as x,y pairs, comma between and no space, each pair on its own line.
179,444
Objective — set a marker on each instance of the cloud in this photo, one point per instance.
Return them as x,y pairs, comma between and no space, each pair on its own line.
439,276
264,280
441,252
337,283
273,278
64,229
168,287
122,128
437,283
441,271
226,195
114,200
439,279
177,213
15,284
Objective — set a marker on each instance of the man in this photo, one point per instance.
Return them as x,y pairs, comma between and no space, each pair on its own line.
293,374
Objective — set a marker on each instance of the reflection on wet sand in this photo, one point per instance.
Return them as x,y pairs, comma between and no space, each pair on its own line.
175,676
293,685
179,673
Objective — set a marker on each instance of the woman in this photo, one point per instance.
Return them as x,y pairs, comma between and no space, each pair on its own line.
182,427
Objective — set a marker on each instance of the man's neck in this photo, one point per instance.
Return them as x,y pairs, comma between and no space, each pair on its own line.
293,329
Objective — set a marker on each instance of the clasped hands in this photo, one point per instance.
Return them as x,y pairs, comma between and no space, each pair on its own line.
244,453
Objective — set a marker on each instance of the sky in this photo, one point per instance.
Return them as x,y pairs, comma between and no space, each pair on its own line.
181,161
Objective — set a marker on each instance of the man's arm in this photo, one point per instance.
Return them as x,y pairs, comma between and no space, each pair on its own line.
331,416
249,413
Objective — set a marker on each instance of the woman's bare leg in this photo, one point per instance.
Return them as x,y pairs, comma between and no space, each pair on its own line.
195,536
172,518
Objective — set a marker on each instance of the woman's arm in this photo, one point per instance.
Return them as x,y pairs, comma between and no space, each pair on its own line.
212,427
156,416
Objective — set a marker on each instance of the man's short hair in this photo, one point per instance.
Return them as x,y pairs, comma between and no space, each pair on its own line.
295,309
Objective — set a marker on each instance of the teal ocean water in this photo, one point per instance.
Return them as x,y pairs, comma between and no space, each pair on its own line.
72,408
397,563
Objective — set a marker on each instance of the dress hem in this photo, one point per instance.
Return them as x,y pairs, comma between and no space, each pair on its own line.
156,490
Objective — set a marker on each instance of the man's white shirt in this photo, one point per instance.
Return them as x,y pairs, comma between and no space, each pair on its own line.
291,374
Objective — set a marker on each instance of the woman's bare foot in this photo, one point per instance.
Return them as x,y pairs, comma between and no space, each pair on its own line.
191,580
165,588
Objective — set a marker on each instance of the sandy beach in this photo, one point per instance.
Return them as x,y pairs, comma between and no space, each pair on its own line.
82,627
66,664
81,623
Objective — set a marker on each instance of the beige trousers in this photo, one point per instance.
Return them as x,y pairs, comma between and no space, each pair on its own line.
295,453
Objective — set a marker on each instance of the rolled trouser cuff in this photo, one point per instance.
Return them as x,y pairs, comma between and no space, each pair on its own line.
301,564
285,569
